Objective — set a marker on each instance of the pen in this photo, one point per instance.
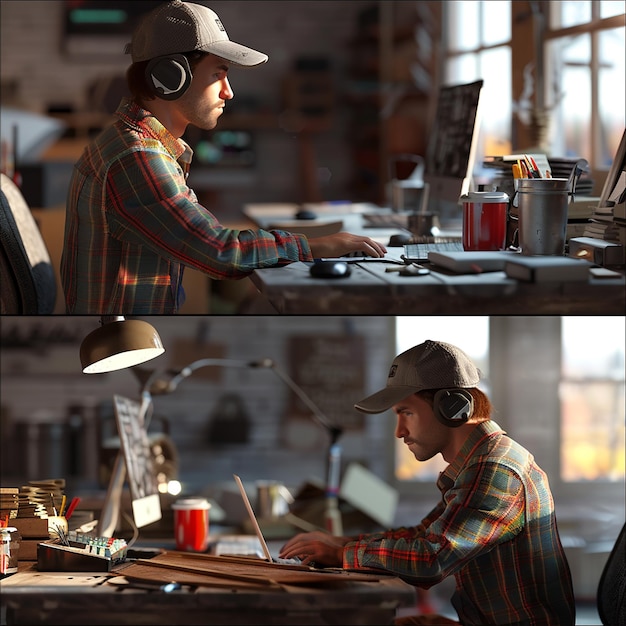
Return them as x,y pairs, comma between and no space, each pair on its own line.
535,170
532,168
72,506
517,171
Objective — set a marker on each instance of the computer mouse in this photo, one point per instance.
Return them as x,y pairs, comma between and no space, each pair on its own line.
330,269
305,214
395,241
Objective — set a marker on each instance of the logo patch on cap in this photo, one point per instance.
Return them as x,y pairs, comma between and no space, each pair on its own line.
219,25
392,371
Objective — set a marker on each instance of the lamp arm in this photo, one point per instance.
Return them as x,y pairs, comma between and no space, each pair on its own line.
332,514
320,418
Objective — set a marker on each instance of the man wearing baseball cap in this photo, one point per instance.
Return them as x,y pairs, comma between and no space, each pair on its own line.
494,528
132,223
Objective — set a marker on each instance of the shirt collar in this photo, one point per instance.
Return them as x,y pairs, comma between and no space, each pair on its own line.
477,436
144,121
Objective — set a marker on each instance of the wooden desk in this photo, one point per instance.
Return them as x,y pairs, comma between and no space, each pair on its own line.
372,291
31,597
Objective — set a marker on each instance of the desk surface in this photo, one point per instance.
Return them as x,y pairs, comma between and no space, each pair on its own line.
32,597
373,291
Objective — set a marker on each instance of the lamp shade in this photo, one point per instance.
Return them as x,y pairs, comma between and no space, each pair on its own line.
119,344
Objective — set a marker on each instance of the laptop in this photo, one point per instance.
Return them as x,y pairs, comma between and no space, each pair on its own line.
257,529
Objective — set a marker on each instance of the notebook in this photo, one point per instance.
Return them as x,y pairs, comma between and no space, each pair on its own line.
257,528
472,262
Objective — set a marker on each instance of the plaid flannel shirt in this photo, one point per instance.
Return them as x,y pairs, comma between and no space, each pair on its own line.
494,530
132,225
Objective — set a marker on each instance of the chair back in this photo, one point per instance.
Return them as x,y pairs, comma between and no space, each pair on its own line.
612,586
28,280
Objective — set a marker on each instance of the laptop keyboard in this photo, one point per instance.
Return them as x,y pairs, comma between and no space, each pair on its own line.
419,251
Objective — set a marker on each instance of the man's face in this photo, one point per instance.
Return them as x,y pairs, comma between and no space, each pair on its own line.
204,101
417,425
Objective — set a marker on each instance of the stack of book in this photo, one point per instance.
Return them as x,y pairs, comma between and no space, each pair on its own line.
37,501
609,219
32,530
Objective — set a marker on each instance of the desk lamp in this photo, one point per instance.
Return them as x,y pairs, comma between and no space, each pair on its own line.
332,514
118,343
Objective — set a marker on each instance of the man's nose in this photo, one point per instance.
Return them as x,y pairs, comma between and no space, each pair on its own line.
227,92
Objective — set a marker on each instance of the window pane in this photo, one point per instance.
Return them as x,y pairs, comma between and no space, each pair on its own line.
592,399
593,347
612,90
495,125
462,69
571,119
496,22
463,25
570,13
609,8
471,334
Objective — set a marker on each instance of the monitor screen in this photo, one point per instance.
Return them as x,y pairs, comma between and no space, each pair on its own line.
140,472
451,148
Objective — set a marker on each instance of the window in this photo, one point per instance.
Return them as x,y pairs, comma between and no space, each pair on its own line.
581,72
592,399
585,58
471,334
478,42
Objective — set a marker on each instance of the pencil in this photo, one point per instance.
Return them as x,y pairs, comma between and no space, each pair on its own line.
63,501
524,168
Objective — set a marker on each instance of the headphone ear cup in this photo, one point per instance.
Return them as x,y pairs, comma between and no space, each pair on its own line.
169,77
453,407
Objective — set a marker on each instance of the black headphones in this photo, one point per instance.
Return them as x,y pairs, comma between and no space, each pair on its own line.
453,407
169,76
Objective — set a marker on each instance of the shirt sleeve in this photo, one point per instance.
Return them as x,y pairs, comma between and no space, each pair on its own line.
484,507
148,203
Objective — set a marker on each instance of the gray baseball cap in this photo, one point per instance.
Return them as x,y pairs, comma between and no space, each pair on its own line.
177,27
430,365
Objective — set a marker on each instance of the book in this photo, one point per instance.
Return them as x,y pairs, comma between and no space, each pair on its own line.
547,268
31,526
471,261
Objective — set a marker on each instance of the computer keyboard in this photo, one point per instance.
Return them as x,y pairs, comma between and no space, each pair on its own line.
419,251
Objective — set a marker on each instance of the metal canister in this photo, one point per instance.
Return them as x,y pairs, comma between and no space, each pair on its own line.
542,215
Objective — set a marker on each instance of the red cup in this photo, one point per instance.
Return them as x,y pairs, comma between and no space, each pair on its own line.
191,524
484,220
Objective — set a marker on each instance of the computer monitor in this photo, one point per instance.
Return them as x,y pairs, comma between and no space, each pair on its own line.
134,464
451,149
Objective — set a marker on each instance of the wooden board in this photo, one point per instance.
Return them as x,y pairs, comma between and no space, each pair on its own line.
208,570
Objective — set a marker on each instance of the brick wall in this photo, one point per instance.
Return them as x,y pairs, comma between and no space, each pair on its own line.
42,381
